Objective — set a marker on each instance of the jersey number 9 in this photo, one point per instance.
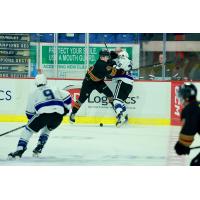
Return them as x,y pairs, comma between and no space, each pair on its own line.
48,94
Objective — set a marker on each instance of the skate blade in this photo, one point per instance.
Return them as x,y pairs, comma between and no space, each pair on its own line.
13,158
71,122
118,125
10,158
36,155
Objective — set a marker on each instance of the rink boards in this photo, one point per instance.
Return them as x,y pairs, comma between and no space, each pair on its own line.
150,103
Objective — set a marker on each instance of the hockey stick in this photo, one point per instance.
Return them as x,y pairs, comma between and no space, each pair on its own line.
197,147
106,46
12,130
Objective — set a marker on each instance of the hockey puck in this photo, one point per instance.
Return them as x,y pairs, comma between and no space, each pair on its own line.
101,124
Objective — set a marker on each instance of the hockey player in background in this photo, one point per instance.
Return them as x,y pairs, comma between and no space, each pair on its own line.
190,117
45,110
94,80
124,84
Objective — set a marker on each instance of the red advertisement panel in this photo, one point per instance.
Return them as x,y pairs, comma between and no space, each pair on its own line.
176,105
74,92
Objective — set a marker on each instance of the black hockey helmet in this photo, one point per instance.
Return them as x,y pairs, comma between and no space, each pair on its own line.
104,53
187,91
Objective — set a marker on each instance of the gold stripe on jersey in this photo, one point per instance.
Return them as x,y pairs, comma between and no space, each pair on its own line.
92,76
113,72
186,139
77,105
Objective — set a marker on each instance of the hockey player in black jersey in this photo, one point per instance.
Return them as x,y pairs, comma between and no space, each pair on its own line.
190,117
94,80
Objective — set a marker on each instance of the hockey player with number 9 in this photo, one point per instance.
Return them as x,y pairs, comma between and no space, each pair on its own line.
45,110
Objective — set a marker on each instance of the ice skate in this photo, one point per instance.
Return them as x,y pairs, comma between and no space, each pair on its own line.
126,118
120,120
16,155
72,118
38,150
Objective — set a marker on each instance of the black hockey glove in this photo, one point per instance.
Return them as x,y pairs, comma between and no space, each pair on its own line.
109,77
181,149
66,111
113,55
111,62
120,72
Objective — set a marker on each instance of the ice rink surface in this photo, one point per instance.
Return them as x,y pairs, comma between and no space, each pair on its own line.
92,145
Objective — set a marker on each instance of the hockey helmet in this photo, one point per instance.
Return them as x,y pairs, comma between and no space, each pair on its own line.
104,53
123,54
118,50
40,80
187,91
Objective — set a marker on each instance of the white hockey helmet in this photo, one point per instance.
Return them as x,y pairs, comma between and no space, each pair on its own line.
123,54
118,50
40,80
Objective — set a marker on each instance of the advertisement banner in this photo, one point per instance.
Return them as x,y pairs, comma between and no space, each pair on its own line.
8,100
74,91
143,102
73,54
14,37
13,60
71,60
14,55
13,68
15,45
14,52
15,74
176,106
14,95
148,103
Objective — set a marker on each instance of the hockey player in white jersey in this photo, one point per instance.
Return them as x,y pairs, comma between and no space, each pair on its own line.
45,110
124,86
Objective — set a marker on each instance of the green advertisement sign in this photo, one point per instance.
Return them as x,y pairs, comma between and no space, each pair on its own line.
71,59
72,55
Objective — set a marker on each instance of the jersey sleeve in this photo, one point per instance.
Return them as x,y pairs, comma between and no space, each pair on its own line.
183,114
190,122
189,128
66,98
30,108
113,55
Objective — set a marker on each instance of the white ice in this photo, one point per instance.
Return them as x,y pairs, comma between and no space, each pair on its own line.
83,145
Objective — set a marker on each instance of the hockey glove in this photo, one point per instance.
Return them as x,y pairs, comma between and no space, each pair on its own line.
113,55
111,62
120,72
66,111
181,149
